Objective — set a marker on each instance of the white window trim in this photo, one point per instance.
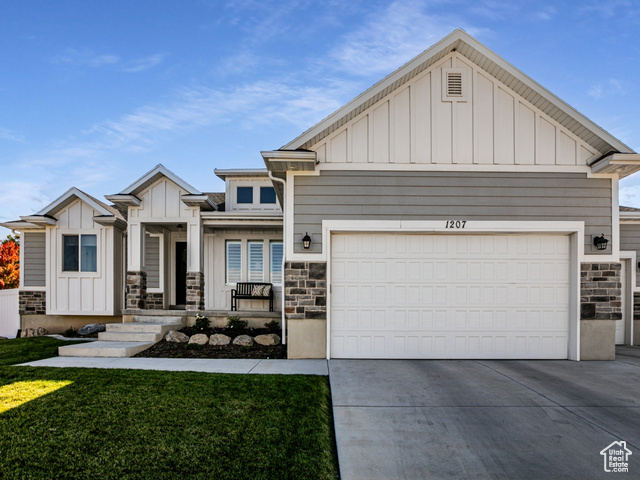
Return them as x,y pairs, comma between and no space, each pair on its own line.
79,273
226,261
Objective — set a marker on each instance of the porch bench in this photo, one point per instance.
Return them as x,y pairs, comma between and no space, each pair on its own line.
251,291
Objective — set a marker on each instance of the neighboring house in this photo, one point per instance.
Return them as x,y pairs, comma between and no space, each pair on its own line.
450,211
628,332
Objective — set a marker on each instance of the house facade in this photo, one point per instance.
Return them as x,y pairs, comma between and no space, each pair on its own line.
456,209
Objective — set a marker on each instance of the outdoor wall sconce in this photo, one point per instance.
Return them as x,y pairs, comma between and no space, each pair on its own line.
600,242
306,241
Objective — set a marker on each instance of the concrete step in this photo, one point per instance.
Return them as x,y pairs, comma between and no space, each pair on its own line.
104,349
130,337
158,319
136,327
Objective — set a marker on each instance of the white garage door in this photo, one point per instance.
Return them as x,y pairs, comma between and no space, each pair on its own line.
449,296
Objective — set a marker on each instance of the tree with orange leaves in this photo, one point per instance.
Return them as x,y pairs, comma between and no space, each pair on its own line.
9,263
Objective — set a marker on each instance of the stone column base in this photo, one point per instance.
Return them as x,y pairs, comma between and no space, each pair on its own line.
195,291
32,302
136,293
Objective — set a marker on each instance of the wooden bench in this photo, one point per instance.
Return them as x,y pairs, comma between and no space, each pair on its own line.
251,291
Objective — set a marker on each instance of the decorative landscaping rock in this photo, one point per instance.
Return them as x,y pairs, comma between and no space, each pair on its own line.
4,338
269,339
91,328
176,337
219,339
200,339
243,340
33,332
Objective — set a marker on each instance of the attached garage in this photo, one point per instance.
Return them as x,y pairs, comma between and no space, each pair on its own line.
410,295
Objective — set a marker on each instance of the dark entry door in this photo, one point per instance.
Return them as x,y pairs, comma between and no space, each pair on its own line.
181,273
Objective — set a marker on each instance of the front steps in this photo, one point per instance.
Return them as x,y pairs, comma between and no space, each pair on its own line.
125,339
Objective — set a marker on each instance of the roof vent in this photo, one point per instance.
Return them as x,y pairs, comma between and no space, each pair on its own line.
454,85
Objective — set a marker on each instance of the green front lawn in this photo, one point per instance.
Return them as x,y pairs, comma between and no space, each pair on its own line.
126,424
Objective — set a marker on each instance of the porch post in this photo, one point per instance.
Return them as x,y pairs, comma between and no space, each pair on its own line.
136,291
195,265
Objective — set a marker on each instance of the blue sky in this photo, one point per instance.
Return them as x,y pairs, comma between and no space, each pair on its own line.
93,94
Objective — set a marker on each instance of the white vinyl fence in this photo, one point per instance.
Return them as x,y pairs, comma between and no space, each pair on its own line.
9,317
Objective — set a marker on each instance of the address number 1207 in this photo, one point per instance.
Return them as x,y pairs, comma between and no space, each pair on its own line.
455,224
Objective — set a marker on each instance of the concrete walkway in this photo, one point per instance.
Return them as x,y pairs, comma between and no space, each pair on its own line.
244,366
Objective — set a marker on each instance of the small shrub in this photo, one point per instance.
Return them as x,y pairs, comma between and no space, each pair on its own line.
70,332
202,323
273,325
236,323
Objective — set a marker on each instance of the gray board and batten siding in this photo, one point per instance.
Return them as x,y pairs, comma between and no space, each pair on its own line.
630,241
152,261
34,259
481,196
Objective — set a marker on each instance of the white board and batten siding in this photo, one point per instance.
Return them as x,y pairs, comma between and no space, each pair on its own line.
78,293
489,125
630,241
9,316
449,296
161,203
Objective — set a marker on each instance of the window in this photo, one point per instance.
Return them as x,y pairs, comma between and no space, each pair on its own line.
267,195
79,253
276,263
256,261
245,194
234,262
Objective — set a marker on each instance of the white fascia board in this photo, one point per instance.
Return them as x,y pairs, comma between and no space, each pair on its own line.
160,170
222,222
64,198
202,201
125,200
40,220
20,225
108,221
223,173
622,164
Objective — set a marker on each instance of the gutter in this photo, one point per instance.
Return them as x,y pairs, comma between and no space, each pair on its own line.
284,250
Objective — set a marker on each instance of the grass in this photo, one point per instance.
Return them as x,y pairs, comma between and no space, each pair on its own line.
128,424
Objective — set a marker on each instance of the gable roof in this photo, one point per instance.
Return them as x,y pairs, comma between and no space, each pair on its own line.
70,196
461,42
154,174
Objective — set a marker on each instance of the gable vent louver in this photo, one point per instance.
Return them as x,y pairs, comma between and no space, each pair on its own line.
454,84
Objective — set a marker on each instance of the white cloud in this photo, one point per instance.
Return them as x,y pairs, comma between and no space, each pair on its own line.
608,88
88,58
6,134
389,38
21,198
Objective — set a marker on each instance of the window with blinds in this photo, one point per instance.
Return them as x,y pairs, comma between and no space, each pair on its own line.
276,263
256,261
234,262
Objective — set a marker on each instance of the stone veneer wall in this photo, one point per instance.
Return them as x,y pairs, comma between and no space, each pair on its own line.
600,291
155,301
195,291
305,290
32,302
136,293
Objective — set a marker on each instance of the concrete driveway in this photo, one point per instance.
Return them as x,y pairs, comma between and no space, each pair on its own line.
424,419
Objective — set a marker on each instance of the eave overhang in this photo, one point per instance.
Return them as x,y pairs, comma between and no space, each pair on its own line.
202,201
223,173
20,225
40,220
279,162
124,200
110,221
622,164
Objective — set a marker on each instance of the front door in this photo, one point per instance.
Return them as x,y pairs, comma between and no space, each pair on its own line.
181,273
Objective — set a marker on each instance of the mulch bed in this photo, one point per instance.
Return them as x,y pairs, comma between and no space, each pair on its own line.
164,349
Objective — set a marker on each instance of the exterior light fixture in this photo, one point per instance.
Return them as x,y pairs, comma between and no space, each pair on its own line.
179,226
306,241
600,242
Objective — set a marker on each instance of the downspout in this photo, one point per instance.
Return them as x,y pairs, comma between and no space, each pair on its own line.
284,251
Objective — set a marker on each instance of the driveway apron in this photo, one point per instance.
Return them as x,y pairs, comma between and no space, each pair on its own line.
438,419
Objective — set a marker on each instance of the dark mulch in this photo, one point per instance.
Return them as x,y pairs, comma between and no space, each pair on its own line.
164,349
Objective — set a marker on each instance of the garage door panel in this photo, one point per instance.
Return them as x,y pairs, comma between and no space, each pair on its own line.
431,296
